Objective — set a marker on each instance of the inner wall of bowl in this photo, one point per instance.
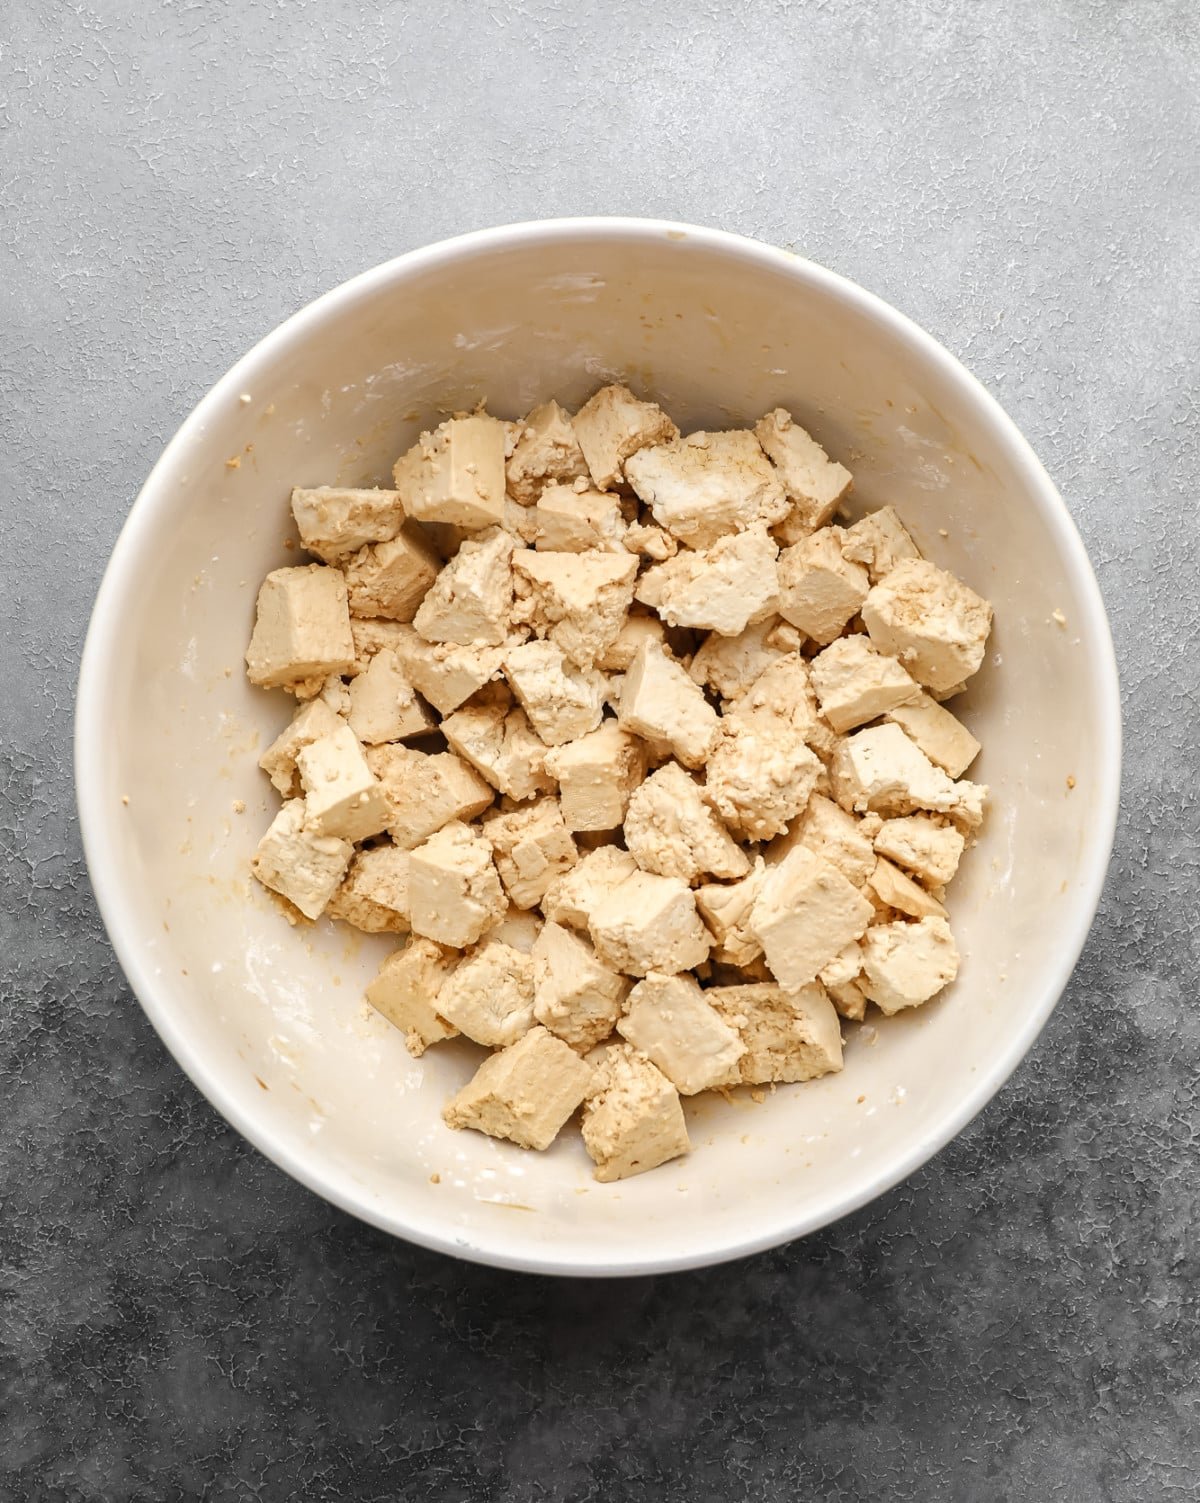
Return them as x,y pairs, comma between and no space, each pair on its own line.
271,1018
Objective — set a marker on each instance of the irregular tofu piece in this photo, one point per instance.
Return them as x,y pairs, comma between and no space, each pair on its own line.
547,450
454,891
837,837
298,862
498,741
789,1035
729,665
342,795
302,627
760,775
849,1000
669,1020
472,598
706,485
447,674
562,701
612,425
374,896
819,590
524,1093
632,1120
879,541
310,723
782,696
406,992
931,851
931,621
596,776
391,579
882,770
651,542
660,703
940,735
518,928
649,923
726,909
721,589
383,703
336,520
372,634
576,997
846,966
425,792
569,521
635,630
805,913
670,830
489,996
855,683
906,964
578,600
532,847
573,898
455,474
899,892
813,483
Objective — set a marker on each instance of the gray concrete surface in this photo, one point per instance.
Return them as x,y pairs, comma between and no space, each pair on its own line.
1017,1321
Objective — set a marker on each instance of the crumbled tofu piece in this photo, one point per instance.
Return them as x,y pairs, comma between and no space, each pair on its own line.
336,520
660,703
342,795
471,600
562,700
546,451
374,896
310,723
489,996
372,634
573,898
880,541
446,673
596,776
649,923
706,485
635,629
836,836
406,992
814,484
519,928
897,891
819,589
726,909
455,475
578,600
298,862
390,580
669,1020
425,792
524,1093
782,697
760,775
931,851
335,693
906,964
721,589
499,742
654,543
576,997
670,830
454,890
850,1001
302,627
931,621
383,703
845,966
632,1121
882,770
569,521
806,912
855,682
532,847
940,735
613,425
729,665
789,1035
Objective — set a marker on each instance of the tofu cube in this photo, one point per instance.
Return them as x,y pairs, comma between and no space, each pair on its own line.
879,541
782,698
670,830
489,996
925,847
706,485
940,735
576,997
298,862
573,898
454,890
302,627
931,621
446,673
760,775
814,484
596,776
729,665
880,769
425,792
660,703
805,913
342,795
894,890
383,703
566,520
310,723
577,600
633,1120
720,589
563,701
649,923
855,683
335,520
547,450
391,579
374,896
819,589
789,1035
531,847
471,600
636,629
612,425
455,475
906,964
524,1093
670,1021
836,836
726,908
406,992
499,742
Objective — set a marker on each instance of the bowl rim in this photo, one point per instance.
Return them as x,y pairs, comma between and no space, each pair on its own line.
97,827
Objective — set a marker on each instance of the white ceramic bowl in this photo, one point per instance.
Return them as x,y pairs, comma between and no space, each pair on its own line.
269,1021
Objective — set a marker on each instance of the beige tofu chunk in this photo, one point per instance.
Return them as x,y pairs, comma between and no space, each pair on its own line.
635,629
455,474
577,600
374,896
846,966
649,923
448,674
924,846
720,589
789,1035
881,770
849,1000
546,451
532,847
659,702
562,700
336,520
782,697
518,928
670,830
371,634
383,705
855,682
813,483
596,776
806,912
931,621
704,486
406,992
897,891
576,997
614,424
830,832
389,580
298,862
906,964
498,741
310,723
572,898
425,792
940,735
726,909
524,1093
760,775
879,541
649,541
669,1020
471,600
566,520
302,627
343,796
730,664
819,589
454,890
633,1120
489,996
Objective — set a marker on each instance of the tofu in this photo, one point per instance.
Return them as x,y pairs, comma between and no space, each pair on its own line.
940,735
518,928
455,474
546,450
374,895
930,621
849,1001
310,723
813,483
721,589
596,776
578,601
760,775
371,634
782,697
726,908
659,702
425,792
562,700
532,847
928,849
855,682
343,796
572,898
524,1093
298,862
635,629
730,664
576,997
566,520
383,705
649,923
789,1035
906,964
840,838
406,992
389,580
471,600
707,485
632,1121
806,912
454,890
302,627
880,769
670,1021
488,997
335,521
649,541
499,742
899,892
670,830
819,589
879,541
614,424
448,674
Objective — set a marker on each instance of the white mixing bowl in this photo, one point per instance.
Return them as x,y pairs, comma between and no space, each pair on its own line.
269,1021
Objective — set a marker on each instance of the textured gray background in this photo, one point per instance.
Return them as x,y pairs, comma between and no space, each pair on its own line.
1019,1319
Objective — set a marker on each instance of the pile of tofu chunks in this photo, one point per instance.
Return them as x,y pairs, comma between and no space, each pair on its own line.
644,755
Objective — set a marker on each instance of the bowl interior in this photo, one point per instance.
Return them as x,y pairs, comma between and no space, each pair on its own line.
270,1020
